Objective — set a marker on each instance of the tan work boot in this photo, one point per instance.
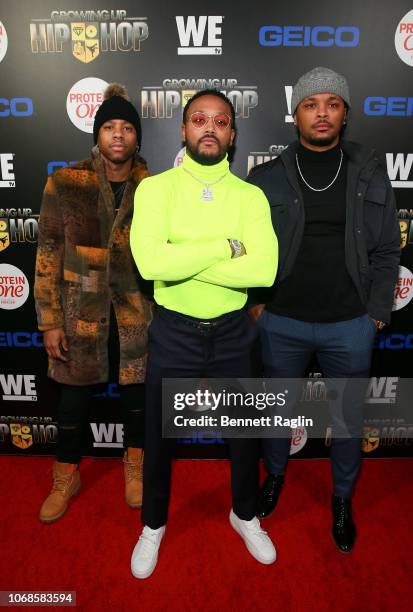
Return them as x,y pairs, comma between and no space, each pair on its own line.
133,468
66,483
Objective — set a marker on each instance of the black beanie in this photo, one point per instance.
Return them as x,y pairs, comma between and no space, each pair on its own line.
116,105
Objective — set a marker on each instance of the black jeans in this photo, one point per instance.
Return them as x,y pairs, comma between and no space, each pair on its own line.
183,347
72,418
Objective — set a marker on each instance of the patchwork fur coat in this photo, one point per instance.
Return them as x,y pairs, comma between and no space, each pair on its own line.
83,265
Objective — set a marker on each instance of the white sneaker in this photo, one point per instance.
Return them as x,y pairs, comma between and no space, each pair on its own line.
256,539
145,554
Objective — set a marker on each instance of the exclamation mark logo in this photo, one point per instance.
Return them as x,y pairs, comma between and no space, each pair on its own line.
288,96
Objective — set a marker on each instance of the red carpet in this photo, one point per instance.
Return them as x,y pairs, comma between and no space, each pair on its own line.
203,563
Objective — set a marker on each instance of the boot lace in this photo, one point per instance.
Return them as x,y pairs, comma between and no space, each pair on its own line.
61,483
255,529
341,516
148,542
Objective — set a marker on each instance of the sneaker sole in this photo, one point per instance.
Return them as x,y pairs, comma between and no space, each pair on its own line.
149,572
249,547
47,521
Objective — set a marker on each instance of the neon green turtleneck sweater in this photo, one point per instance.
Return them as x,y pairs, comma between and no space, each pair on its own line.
181,241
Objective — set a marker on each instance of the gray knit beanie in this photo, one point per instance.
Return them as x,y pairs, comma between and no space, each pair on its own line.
319,80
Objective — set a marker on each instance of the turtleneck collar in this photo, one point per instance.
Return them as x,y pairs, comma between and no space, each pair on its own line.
207,173
310,156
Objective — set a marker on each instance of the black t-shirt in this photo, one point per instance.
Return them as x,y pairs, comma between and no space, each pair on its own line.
319,288
118,187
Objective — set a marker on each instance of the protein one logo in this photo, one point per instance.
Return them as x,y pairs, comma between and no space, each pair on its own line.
14,287
83,100
3,41
403,39
403,291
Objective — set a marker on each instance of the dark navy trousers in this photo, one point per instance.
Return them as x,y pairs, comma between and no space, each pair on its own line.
343,350
184,347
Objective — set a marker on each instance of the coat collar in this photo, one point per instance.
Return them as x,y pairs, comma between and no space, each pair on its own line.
106,201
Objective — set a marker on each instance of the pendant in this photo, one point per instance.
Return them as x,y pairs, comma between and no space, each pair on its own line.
207,194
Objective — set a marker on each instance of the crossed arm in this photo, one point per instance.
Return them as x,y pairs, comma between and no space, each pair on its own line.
258,267
207,261
155,256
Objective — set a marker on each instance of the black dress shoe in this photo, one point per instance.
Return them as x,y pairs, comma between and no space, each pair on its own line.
344,530
269,494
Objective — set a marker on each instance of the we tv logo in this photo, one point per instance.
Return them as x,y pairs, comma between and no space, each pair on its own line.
200,35
7,170
400,169
18,387
107,435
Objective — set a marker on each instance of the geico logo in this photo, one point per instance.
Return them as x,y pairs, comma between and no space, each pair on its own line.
21,339
201,439
54,165
305,36
379,106
16,107
394,341
112,390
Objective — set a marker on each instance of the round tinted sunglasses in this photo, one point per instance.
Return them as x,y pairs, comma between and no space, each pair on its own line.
199,120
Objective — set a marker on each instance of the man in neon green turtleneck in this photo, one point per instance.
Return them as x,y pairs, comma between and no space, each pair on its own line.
204,236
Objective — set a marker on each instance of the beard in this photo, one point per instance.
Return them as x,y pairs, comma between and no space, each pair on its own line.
320,141
205,159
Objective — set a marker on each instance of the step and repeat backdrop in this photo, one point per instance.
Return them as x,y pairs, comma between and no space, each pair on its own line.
55,60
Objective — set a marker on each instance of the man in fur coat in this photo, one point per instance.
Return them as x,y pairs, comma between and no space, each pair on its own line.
88,295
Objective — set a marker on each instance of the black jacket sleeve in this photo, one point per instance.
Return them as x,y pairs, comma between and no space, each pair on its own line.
384,261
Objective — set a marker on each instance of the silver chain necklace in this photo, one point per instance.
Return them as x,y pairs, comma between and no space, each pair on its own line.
207,194
332,182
